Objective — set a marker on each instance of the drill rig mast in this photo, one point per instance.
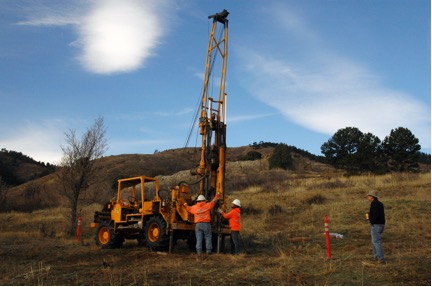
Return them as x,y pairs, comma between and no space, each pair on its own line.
212,121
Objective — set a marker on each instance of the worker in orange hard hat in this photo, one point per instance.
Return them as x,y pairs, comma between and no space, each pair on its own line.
201,211
234,223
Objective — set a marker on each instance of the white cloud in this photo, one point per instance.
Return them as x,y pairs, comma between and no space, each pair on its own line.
39,140
243,118
113,36
118,36
334,95
321,89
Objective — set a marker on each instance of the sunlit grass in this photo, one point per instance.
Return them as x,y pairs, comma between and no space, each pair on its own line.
282,233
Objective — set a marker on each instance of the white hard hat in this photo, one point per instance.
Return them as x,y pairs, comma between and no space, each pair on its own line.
236,202
201,198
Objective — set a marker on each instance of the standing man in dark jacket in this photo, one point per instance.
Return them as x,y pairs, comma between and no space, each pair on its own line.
377,221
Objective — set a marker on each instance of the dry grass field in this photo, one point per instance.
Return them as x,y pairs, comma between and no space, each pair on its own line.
282,226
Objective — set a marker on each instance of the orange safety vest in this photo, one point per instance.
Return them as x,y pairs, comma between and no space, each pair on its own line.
234,218
201,210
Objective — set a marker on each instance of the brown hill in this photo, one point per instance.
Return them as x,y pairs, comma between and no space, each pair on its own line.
170,166
16,168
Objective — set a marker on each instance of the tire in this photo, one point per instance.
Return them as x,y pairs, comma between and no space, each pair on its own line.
106,238
155,233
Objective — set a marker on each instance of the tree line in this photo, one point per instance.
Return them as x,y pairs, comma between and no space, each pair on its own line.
19,156
351,149
354,151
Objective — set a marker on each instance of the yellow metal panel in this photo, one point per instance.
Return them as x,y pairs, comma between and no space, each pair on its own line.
116,213
147,207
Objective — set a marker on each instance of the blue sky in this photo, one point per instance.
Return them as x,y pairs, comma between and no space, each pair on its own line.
297,71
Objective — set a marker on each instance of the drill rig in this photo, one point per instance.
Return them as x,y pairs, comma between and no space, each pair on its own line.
212,121
140,211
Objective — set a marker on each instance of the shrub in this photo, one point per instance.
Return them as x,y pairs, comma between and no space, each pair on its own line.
252,155
315,199
281,158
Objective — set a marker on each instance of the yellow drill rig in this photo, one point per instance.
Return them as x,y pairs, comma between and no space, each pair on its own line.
140,211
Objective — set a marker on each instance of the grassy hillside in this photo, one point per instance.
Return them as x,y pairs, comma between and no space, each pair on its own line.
282,226
171,166
32,190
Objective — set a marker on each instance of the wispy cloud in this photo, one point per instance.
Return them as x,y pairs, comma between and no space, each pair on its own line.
333,93
113,36
242,118
53,13
181,112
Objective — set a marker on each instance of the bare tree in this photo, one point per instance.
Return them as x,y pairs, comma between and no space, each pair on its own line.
77,162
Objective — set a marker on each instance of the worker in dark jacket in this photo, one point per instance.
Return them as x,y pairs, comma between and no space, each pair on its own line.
377,221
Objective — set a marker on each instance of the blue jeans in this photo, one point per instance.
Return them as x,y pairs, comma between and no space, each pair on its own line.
235,242
203,230
376,230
